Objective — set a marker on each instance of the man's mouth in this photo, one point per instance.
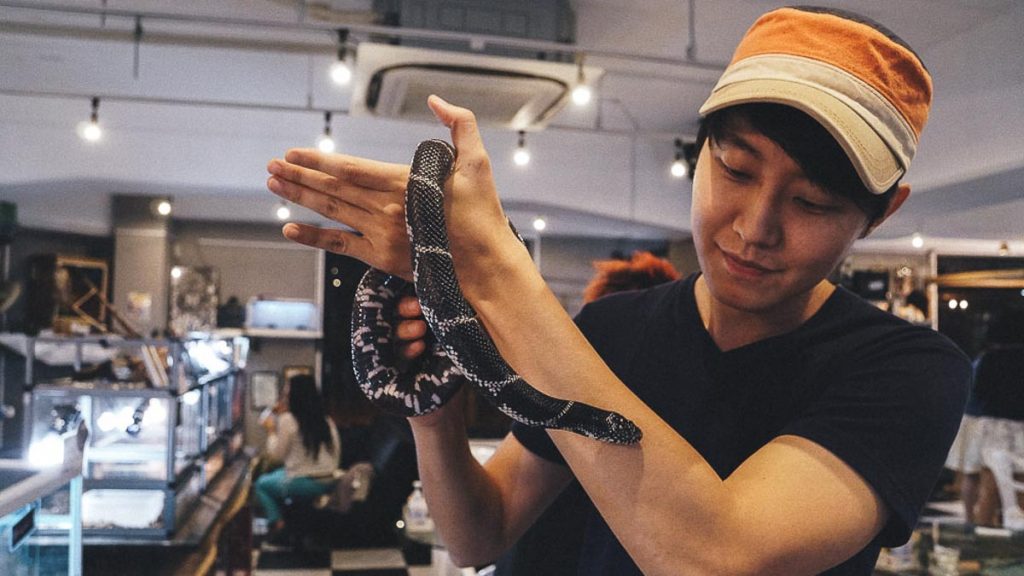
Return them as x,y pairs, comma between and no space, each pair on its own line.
744,267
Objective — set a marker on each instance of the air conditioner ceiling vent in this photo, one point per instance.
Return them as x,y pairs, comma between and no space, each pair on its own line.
394,82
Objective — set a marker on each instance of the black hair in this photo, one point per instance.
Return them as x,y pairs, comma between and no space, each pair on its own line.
809,144
307,407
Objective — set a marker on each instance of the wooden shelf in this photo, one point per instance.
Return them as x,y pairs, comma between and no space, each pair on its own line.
285,334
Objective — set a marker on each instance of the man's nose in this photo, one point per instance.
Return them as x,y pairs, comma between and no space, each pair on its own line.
758,220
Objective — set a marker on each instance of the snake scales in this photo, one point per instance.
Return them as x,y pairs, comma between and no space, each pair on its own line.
461,345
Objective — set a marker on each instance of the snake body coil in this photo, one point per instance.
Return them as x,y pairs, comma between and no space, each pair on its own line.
462,344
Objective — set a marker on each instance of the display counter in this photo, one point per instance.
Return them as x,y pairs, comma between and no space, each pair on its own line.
219,526
161,432
40,512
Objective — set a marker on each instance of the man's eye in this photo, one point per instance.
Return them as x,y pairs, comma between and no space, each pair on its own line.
733,173
813,206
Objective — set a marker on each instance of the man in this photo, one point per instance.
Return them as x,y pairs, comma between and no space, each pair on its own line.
789,427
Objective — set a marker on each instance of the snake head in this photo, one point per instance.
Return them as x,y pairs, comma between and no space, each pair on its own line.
621,430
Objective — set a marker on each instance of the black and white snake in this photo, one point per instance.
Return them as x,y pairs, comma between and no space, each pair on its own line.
462,346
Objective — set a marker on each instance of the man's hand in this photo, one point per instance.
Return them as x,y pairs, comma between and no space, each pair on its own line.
369,198
365,195
269,423
478,231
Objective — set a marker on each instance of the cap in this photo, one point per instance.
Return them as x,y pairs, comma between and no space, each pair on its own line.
866,87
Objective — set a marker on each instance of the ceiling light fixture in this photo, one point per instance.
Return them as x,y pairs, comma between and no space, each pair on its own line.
685,160
582,93
917,241
522,155
341,70
89,130
539,223
1004,248
283,212
679,168
324,142
163,207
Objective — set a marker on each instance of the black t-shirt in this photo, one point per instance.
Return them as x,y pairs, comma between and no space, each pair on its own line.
881,394
999,382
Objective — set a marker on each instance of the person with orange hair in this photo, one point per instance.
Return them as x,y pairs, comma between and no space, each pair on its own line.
789,427
642,270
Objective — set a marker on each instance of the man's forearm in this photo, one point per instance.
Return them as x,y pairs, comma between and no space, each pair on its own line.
625,482
464,503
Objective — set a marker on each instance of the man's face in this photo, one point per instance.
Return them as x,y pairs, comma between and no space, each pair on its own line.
765,234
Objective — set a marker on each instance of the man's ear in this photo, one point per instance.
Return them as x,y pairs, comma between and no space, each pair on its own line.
897,200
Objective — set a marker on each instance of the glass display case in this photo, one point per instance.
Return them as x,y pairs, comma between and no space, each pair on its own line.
153,449
40,512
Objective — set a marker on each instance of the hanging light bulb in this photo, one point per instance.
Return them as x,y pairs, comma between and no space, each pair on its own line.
539,223
163,207
678,168
581,94
324,142
522,155
341,70
283,212
89,130
917,241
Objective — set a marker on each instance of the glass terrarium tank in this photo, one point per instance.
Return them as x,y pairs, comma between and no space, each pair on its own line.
152,448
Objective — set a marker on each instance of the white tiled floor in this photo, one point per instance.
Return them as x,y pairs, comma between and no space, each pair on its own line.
368,562
372,558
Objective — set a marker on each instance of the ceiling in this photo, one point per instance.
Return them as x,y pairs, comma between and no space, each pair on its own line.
213,90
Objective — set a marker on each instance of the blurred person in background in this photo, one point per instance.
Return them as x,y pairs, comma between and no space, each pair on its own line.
302,437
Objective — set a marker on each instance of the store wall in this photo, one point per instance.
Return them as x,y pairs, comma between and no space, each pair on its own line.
141,258
26,244
253,261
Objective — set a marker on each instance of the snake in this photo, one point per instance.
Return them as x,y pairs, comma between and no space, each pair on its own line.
460,349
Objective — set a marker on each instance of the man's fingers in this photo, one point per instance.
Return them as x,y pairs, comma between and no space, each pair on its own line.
334,207
413,349
463,126
409,307
411,330
313,179
361,171
337,241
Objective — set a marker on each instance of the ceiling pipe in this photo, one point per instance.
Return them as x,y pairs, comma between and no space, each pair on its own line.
364,29
691,40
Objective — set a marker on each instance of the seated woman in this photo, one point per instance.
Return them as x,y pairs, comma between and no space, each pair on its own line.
302,437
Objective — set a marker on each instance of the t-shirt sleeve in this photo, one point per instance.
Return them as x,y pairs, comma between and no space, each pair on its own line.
891,413
536,440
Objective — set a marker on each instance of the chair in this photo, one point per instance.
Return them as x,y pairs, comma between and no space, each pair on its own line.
366,499
349,487
1003,464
